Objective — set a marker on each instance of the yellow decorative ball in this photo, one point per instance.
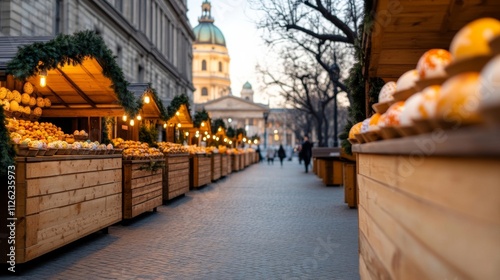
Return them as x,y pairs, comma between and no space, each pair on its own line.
39,102
17,96
3,93
25,99
10,95
14,106
37,111
28,88
47,102
32,102
27,110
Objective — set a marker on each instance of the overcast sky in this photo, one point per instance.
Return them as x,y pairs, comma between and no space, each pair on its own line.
236,20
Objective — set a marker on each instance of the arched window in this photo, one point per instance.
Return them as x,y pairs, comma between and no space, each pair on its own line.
220,66
203,65
204,91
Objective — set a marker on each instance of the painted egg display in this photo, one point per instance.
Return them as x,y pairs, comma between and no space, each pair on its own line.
459,99
410,110
407,80
472,40
355,129
374,122
490,83
365,125
428,103
432,63
386,92
393,114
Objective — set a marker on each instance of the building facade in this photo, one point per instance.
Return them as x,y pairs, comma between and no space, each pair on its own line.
210,59
151,39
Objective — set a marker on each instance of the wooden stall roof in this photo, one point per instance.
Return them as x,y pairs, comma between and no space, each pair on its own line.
149,110
80,90
184,117
405,29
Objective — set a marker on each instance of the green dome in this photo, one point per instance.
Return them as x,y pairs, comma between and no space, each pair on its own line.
247,85
208,33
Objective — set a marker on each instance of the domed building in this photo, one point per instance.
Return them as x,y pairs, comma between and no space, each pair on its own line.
247,92
210,59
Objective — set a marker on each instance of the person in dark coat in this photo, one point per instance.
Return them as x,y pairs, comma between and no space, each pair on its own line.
281,154
306,152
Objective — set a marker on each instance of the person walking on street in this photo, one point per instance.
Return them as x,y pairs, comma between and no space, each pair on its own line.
270,155
306,152
281,154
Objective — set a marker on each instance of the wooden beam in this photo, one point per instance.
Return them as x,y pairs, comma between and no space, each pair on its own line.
57,96
76,88
82,112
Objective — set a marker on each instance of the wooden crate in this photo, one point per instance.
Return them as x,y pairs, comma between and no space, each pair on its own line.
242,160
216,166
223,165
235,162
429,207
176,175
333,172
200,170
350,186
314,162
61,199
142,188
229,165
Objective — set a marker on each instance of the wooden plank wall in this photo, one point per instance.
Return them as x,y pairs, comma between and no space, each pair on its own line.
235,162
350,187
216,166
223,165
60,201
229,165
429,218
201,170
175,176
142,189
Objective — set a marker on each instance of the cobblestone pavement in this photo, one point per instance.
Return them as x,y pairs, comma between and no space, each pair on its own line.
264,222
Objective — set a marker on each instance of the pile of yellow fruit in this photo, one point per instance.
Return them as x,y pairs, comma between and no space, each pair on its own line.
196,150
25,103
222,149
172,148
211,150
136,149
22,129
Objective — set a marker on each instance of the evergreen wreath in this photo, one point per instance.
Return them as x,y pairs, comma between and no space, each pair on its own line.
73,49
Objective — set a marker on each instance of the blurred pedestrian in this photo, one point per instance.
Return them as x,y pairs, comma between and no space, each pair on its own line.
306,152
281,154
258,153
270,155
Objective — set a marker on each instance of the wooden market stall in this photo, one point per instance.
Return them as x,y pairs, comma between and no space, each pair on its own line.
61,198
142,176
429,204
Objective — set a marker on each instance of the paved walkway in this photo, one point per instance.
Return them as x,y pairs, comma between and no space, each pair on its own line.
264,222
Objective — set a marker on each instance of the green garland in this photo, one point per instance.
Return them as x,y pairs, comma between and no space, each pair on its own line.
148,134
199,117
356,82
231,133
218,123
73,49
7,152
157,100
175,104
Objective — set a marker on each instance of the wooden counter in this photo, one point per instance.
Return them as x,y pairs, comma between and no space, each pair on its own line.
176,175
429,206
60,199
200,170
142,188
216,166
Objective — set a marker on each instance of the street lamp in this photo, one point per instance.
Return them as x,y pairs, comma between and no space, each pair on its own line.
266,115
335,75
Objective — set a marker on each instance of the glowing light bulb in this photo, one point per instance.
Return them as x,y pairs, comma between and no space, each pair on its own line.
165,125
146,99
139,117
177,113
132,122
124,118
202,123
178,125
